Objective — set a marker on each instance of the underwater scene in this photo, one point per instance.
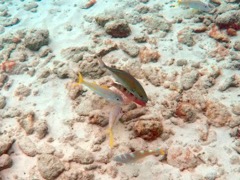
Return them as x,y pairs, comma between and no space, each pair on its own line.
120,90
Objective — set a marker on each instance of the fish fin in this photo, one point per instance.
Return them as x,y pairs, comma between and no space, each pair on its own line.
111,139
80,78
104,87
162,152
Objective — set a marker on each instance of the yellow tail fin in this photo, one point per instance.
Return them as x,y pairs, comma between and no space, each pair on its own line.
80,78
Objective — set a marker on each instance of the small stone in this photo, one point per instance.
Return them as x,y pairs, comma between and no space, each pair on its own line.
186,111
188,79
44,51
2,102
22,90
27,122
182,62
236,109
5,162
233,81
27,146
228,19
102,51
49,166
5,144
10,22
3,79
46,149
133,114
217,35
129,48
32,6
185,36
148,130
217,114
181,157
156,23
147,55
82,156
140,38
118,28
41,129
35,39
102,19
237,46
96,117
231,32
74,54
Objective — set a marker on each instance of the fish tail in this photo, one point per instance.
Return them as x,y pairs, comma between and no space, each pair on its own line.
101,63
80,78
111,139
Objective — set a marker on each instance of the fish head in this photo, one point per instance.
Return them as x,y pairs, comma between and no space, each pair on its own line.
140,102
141,96
117,98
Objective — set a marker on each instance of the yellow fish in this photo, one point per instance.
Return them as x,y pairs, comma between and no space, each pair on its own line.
102,91
137,155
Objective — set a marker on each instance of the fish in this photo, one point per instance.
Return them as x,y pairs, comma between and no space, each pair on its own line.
197,4
114,116
128,81
102,91
137,155
128,94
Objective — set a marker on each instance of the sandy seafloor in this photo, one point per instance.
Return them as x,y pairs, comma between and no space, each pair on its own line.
190,71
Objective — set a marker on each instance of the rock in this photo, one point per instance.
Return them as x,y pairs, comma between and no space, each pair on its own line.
3,79
236,109
231,32
22,90
118,28
2,102
217,114
35,39
133,114
182,62
96,117
185,36
7,22
233,81
82,156
148,130
102,51
32,6
5,144
129,48
46,149
156,23
74,54
5,162
102,19
49,166
26,122
186,111
229,19
188,79
217,35
27,147
41,128
140,38
181,157
148,55
237,46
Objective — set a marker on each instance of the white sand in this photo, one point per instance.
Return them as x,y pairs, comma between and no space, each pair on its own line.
53,96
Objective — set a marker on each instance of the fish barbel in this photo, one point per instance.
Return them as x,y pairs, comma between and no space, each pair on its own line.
114,116
102,91
128,81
